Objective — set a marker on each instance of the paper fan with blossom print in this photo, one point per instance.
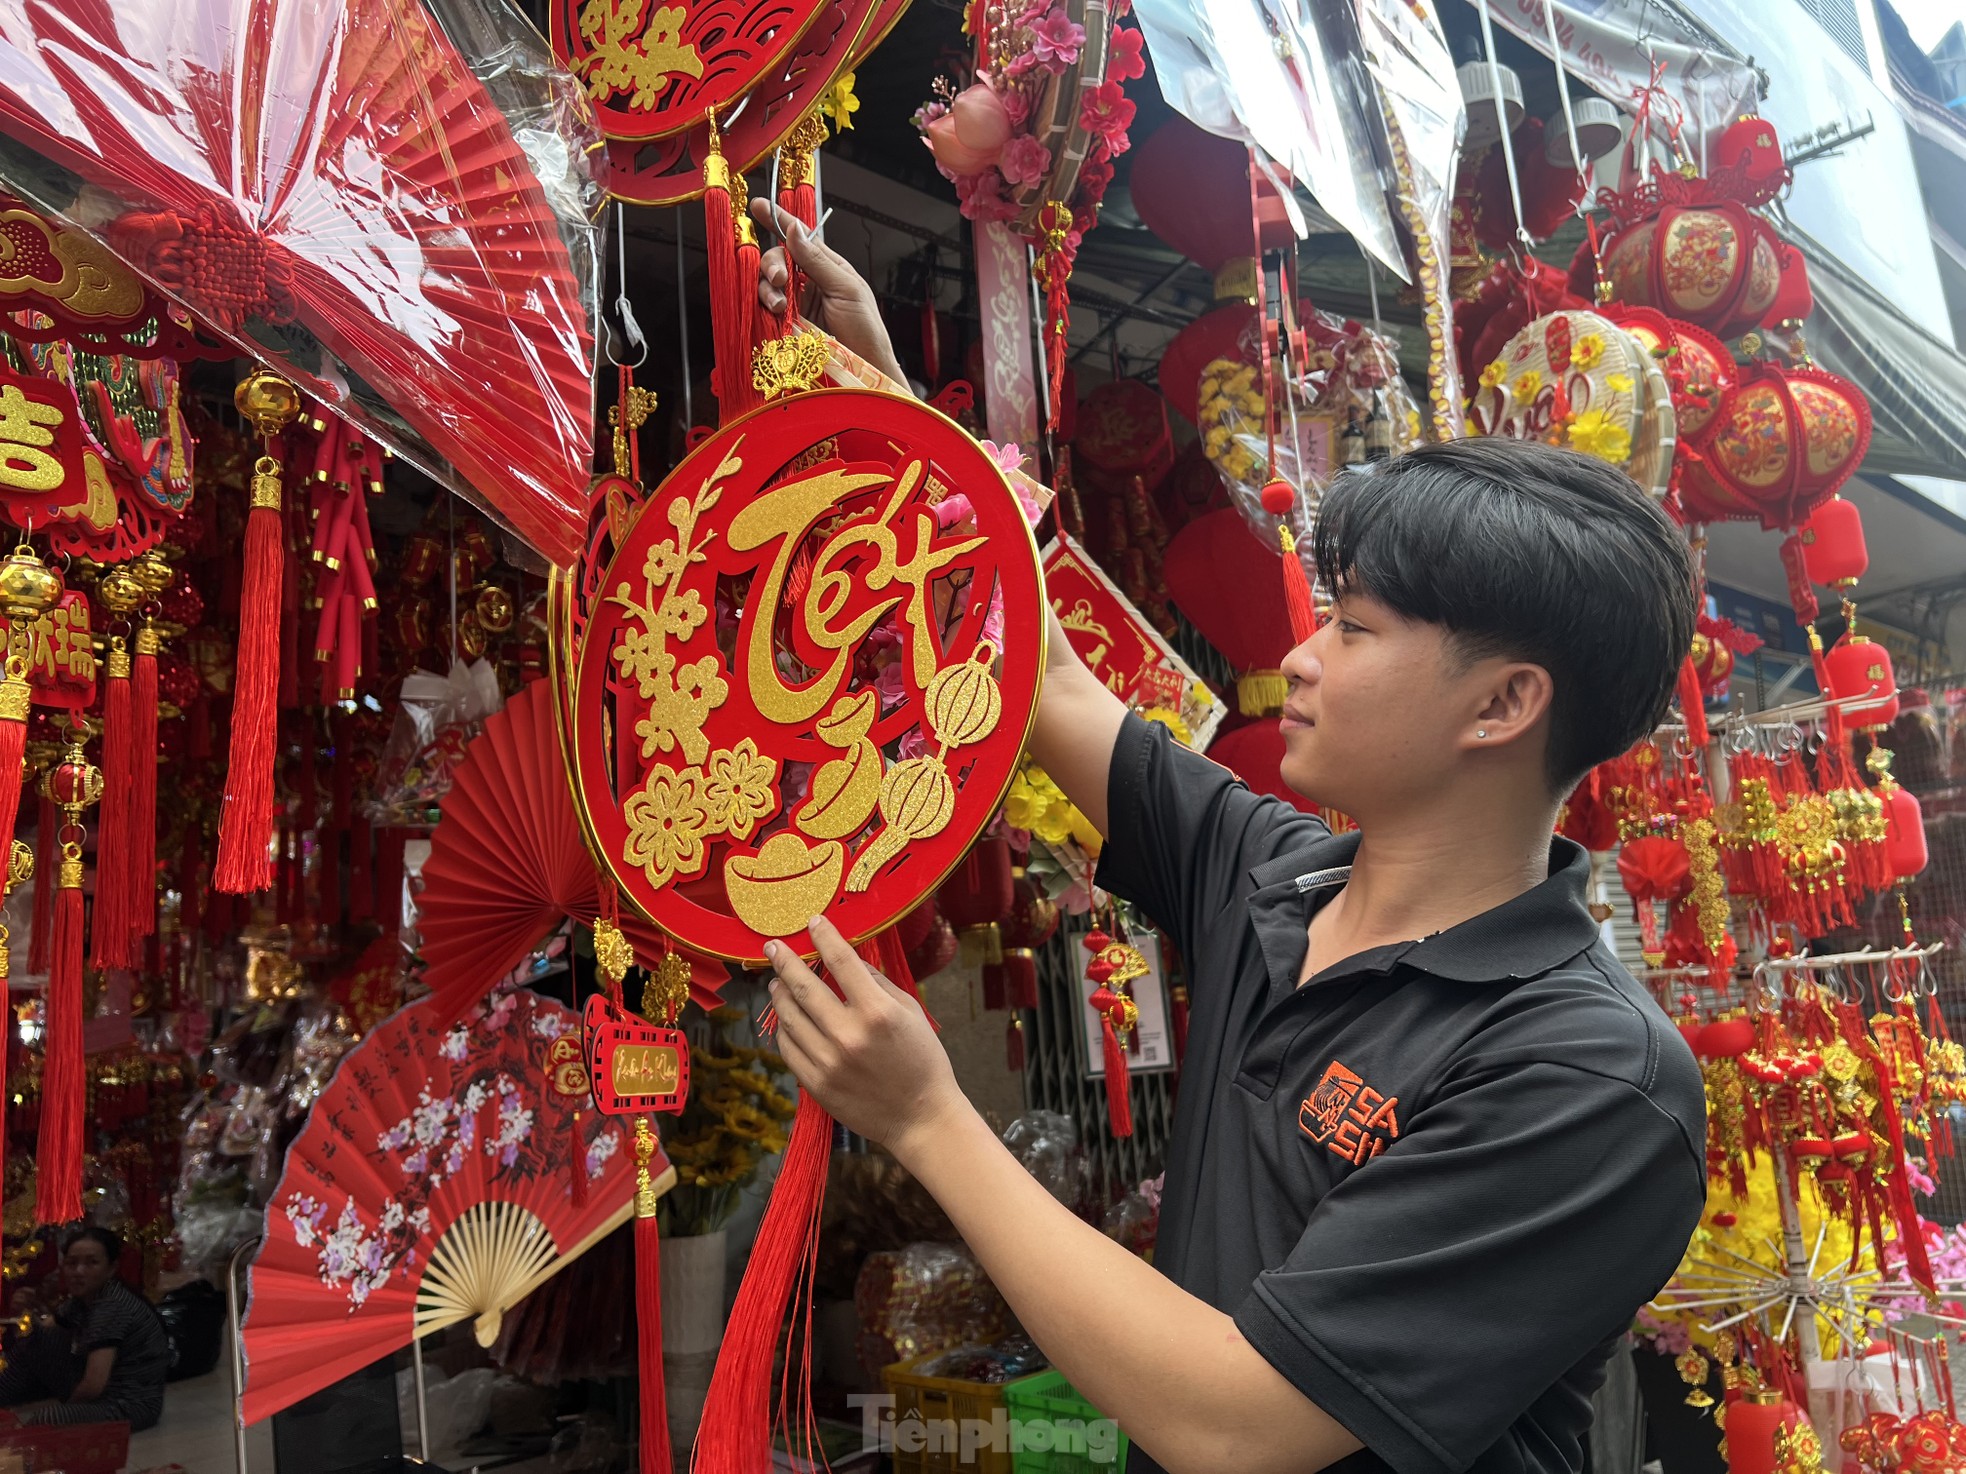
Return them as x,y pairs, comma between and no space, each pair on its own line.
433,1183
507,864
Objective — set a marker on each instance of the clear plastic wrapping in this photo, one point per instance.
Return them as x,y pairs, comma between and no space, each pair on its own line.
391,205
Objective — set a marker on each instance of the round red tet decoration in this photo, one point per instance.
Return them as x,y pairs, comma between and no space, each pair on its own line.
1781,443
810,674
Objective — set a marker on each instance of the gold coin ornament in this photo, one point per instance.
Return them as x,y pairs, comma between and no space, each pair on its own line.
808,672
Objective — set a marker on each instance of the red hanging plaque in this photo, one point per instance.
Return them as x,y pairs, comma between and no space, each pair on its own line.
1121,648
654,69
632,1066
810,674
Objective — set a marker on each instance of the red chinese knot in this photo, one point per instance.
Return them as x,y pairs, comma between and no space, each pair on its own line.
809,674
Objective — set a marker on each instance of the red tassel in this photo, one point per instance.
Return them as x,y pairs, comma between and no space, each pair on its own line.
731,312
47,862
114,904
735,1437
14,698
143,810
1278,498
655,1455
1177,1020
246,824
1119,1101
58,1153
1692,704
1013,1044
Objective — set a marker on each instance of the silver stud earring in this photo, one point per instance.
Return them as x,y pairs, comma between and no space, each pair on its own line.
1481,731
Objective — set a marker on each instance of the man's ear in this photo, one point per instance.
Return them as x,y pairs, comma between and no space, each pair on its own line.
1515,698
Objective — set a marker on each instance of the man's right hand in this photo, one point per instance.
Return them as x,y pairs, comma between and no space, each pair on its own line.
839,300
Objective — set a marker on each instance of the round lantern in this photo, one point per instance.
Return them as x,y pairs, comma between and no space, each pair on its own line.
1714,265
1904,832
1123,430
1782,443
1725,1038
1748,159
1697,365
1713,662
1191,189
1254,753
1833,545
1860,671
1577,379
1213,575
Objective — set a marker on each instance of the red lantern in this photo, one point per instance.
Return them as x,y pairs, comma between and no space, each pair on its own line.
1860,671
1904,832
1833,547
1697,365
1191,189
1725,1038
1794,301
1713,662
977,896
1219,575
1655,868
1714,265
1781,444
1752,1425
1748,157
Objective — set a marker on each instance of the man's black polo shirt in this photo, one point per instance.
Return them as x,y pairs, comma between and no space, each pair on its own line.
1434,1184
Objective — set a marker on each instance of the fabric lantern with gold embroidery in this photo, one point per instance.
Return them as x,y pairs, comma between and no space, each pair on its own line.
1715,265
1781,444
1860,671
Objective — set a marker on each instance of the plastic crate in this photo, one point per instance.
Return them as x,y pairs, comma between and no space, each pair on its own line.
945,1404
1049,1397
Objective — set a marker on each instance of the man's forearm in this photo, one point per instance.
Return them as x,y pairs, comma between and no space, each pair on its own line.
1171,1370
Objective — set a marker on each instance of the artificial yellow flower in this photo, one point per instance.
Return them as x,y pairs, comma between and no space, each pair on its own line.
1493,374
1594,434
1622,383
1169,718
1527,385
839,103
1587,351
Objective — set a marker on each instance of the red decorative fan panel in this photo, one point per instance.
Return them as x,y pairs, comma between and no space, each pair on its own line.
507,864
331,187
811,672
654,69
433,1183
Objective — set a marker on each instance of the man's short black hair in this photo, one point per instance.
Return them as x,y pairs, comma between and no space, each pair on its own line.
1533,553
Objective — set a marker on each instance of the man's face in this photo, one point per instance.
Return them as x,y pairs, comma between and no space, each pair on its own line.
1378,709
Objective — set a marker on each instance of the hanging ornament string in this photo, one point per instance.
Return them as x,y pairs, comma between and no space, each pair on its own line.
1569,113
1524,243
682,324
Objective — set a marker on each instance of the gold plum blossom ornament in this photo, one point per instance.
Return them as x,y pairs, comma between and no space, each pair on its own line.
806,682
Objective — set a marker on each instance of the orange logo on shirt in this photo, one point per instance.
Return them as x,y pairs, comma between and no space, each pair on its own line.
1348,1116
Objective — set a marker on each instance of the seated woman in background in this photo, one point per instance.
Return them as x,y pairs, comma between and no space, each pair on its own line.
101,1357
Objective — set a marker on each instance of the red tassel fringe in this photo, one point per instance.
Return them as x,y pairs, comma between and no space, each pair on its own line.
143,810
735,1437
1297,592
656,1458
246,825
58,1155
1119,1099
47,861
112,944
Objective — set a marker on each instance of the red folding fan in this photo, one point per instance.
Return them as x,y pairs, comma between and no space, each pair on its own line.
330,174
431,1184
507,864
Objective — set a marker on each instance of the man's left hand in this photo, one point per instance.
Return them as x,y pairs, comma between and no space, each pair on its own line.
868,1053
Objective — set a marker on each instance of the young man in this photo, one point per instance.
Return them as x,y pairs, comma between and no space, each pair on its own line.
1433,1146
